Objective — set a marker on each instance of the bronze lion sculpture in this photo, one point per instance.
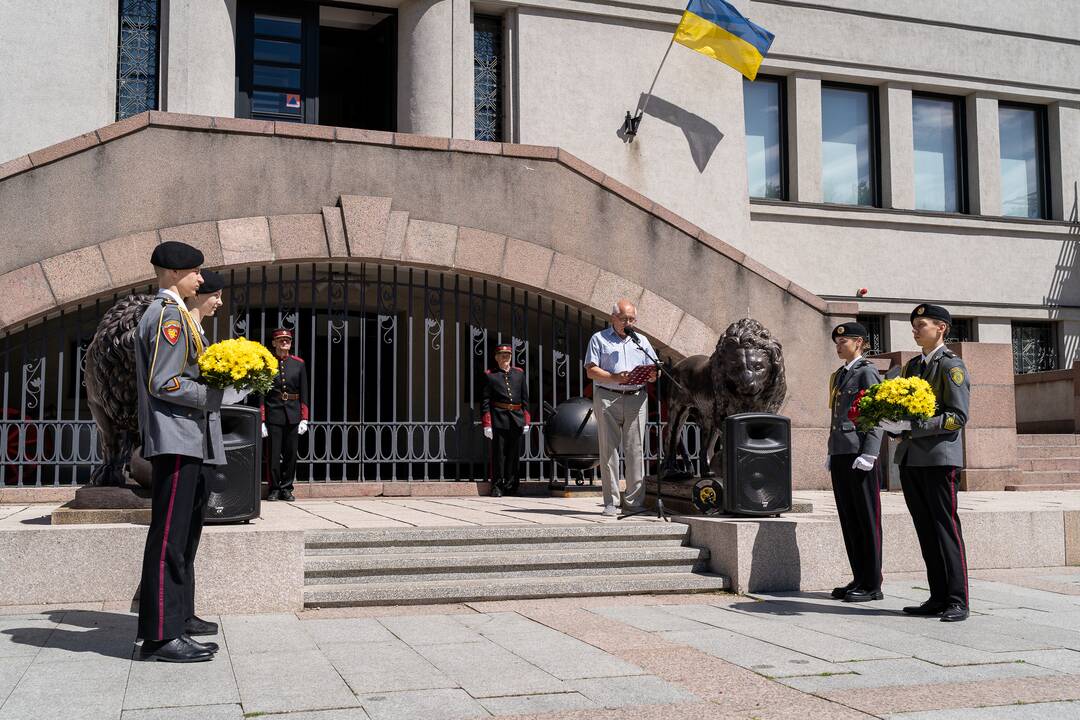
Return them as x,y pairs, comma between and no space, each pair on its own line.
745,373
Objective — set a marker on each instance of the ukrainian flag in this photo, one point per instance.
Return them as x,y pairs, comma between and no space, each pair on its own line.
716,29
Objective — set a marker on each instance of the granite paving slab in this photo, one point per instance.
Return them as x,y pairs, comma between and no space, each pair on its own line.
639,690
346,630
427,705
289,682
1035,711
486,670
385,667
356,713
765,658
24,636
562,656
157,684
1062,660
538,704
91,689
11,671
275,633
651,619
430,630
909,671
202,712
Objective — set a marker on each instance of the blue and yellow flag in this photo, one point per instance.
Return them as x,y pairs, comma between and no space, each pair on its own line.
716,29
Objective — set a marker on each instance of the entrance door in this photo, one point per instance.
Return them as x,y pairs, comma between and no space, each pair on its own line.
357,75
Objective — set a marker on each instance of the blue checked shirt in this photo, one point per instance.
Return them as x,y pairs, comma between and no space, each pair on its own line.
613,354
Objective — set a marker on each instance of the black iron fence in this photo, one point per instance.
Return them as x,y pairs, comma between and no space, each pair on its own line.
395,358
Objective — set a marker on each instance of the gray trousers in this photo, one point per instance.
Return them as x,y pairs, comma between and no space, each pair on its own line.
620,422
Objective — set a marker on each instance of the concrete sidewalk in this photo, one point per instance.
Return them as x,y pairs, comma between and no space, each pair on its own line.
672,657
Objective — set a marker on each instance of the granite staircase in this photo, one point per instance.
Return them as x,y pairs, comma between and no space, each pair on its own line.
401,566
1048,462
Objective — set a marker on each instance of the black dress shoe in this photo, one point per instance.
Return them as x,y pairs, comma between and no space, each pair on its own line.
955,613
177,650
496,491
197,626
208,646
860,595
928,608
287,496
272,496
838,593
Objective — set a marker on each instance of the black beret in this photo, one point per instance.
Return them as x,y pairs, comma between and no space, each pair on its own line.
212,282
934,312
173,255
850,329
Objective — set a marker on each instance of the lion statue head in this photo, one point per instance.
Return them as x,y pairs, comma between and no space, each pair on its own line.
748,370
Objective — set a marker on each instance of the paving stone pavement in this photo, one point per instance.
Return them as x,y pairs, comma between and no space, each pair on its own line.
680,657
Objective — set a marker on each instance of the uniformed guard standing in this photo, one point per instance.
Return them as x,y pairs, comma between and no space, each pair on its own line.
931,455
851,461
506,419
173,406
285,415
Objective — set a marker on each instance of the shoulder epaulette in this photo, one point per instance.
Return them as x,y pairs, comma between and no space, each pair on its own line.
948,353
297,357
487,371
520,370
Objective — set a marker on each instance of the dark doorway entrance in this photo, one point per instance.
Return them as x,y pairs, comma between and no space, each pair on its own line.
357,70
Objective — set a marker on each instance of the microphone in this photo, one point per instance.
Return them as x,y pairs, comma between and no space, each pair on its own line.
631,332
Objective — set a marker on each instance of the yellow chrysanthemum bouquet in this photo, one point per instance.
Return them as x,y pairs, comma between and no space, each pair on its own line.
241,363
901,398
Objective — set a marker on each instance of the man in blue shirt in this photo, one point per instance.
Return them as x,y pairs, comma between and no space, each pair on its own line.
620,407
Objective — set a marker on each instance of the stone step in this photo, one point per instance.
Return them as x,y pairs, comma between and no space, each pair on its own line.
1048,477
397,567
502,537
450,591
533,547
1025,452
1036,487
1058,439
1049,464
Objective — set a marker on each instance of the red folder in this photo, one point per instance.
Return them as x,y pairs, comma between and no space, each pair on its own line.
640,375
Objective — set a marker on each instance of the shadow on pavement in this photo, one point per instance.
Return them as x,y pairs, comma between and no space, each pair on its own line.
102,633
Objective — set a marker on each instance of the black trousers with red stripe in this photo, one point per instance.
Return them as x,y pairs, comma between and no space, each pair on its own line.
505,456
858,503
167,595
930,494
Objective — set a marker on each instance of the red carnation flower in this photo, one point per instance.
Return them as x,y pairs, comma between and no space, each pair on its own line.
853,411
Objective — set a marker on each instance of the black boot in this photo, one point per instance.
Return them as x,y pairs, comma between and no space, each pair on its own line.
176,650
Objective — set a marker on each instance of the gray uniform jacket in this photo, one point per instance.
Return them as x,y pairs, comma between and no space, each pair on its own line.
213,429
844,438
939,440
173,404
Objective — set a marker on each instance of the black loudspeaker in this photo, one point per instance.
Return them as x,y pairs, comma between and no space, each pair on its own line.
757,464
233,490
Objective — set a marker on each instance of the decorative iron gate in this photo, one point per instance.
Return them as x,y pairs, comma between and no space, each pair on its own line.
395,357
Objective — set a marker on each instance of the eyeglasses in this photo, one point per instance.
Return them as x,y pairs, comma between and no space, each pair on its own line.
626,318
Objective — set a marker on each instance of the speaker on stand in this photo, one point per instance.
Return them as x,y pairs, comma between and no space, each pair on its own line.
233,489
757,464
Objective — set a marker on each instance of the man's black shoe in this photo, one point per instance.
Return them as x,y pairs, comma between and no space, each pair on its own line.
177,650
197,626
860,595
928,608
496,491
287,496
955,613
208,646
838,593
272,496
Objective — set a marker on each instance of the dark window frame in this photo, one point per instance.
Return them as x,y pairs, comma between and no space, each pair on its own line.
500,112
156,104
1042,150
309,57
1053,331
782,109
960,122
872,92
871,321
969,323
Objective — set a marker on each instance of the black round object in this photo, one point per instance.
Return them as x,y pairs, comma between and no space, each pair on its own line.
708,496
570,435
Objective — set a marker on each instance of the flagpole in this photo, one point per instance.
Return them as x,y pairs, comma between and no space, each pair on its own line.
630,125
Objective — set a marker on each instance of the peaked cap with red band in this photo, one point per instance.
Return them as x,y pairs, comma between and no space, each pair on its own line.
281,333
503,349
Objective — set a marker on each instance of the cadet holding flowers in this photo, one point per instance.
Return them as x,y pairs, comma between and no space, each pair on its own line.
931,455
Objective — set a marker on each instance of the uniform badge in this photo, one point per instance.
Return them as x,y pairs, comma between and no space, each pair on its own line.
920,310
951,424
957,376
171,330
840,330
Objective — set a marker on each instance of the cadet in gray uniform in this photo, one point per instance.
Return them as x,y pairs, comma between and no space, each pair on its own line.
852,459
173,407
931,455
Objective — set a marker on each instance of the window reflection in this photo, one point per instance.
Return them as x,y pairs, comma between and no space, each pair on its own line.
935,125
847,146
762,114
1022,193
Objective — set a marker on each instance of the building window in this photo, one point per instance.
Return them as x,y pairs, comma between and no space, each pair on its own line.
1024,164
937,125
137,61
488,77
875,328
849,145
961,330
764,118
277,70
1034,347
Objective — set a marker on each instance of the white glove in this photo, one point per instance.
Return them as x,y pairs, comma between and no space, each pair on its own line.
864,462
525,430
232,396
895,426
488,433
265,432
828,462
302,427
